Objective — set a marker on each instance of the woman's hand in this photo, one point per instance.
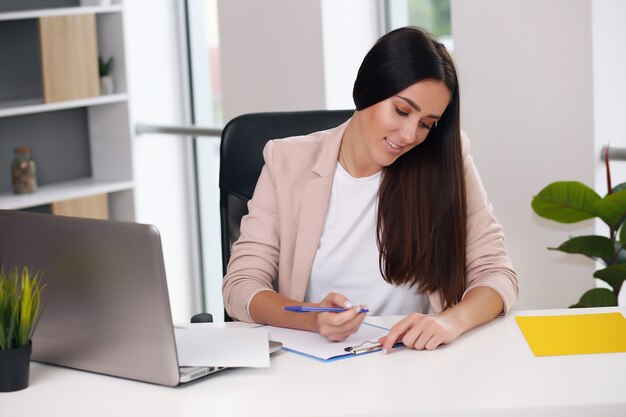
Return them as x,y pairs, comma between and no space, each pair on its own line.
420,331
338,326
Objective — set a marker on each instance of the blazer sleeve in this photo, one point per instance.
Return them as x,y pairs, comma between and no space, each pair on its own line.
254,256
487,262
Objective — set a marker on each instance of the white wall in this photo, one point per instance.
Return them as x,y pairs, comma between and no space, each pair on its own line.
160,161
349,29
271,56
538,101
609,74
292,54
609,86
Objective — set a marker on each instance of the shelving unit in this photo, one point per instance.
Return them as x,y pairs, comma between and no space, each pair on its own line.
82,147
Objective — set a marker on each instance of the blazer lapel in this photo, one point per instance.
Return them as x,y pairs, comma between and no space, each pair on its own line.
313,212
312,216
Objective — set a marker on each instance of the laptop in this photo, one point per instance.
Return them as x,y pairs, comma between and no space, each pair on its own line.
105,306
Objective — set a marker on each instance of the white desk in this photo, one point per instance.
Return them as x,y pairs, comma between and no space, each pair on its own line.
487,372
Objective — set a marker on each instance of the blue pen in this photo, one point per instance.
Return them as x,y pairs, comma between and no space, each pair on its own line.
307,309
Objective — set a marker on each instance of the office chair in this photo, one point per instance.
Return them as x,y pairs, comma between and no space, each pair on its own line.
241,159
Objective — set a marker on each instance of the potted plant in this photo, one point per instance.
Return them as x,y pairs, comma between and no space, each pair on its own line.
106,80
571,202
19,308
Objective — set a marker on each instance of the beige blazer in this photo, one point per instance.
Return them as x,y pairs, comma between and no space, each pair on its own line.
281,233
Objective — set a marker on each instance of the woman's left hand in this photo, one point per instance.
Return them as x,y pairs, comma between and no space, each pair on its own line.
420,331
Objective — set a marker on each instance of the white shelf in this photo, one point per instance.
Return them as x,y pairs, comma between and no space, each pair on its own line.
60,11
62,191
101,122
21,107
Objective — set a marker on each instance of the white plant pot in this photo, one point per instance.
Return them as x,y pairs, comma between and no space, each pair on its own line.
106,85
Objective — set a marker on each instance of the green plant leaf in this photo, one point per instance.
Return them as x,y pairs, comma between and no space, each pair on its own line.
611,209
105,67
566,202
12,323
592,246
19,306
26,307
613,275
597,297
622,236
4,299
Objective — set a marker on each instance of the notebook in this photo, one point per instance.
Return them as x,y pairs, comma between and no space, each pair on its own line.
106,305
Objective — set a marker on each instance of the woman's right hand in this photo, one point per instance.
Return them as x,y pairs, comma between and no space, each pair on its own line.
338,326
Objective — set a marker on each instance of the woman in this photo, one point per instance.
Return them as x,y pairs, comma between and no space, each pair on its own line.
385,210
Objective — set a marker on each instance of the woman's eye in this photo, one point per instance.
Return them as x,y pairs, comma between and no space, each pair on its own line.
424,125
401,113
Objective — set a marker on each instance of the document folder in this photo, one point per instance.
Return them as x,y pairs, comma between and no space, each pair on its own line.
574,334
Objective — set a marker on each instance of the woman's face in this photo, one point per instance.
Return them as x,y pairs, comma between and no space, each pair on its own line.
396,125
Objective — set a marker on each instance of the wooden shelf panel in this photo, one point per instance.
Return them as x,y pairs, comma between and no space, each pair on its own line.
21,107
47,194
61,11
68,48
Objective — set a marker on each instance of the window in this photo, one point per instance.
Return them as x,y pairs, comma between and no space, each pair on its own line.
204,55
431,15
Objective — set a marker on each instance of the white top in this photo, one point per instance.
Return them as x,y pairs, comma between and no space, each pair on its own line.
347,256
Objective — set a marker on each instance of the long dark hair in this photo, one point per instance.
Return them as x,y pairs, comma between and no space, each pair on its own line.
421,224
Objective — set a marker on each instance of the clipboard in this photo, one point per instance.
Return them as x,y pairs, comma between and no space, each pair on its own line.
316,346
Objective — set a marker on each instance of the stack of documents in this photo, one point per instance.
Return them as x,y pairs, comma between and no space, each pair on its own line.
574,334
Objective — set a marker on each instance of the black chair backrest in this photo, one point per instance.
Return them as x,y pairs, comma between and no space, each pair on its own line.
241,158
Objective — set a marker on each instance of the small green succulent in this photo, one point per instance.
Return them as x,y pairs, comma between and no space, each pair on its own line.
105,67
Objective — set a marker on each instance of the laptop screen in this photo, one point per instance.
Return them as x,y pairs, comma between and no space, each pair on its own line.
105,307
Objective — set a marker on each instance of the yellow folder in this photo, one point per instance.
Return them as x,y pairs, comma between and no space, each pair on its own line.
574,334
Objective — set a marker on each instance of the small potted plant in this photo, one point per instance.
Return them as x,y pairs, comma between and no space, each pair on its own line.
19,308
106,80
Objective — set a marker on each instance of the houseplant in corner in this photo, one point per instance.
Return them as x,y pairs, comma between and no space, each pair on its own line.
571,202
19,308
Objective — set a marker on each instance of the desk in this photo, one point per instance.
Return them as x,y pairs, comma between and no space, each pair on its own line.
487,372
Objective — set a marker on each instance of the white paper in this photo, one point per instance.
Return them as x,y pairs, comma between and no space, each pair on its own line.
201,344
316,345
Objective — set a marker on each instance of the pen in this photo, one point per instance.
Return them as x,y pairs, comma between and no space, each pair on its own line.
306,309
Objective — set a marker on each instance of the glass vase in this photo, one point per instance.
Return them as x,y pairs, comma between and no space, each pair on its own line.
23,172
